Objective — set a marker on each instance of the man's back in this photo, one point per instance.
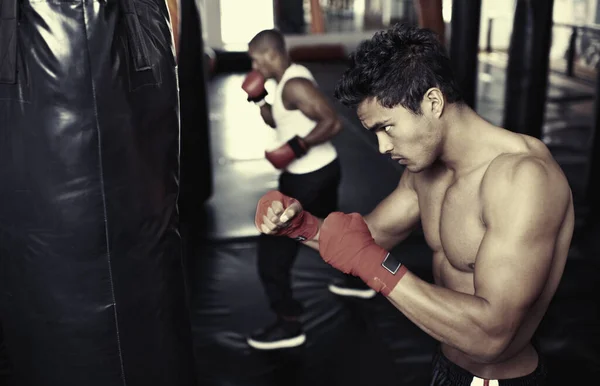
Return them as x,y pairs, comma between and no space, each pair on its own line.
454,214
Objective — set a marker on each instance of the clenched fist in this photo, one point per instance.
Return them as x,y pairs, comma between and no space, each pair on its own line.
280,215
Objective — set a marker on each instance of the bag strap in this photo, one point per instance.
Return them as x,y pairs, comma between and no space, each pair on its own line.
138,47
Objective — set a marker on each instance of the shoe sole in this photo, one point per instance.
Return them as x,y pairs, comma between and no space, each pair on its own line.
286,343
363,294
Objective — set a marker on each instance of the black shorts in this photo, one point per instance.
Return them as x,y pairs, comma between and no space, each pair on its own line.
446,373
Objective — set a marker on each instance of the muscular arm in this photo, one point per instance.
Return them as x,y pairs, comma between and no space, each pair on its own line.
524,206
173,6
397,215
394,218
301,94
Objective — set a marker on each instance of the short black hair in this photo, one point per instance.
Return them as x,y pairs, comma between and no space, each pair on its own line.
269,38
397,67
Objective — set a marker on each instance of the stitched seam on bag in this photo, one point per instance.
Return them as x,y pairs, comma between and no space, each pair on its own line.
103,191
5,59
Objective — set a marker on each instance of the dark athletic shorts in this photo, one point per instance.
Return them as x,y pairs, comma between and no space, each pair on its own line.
446,373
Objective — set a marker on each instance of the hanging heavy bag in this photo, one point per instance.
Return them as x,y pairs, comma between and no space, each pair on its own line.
91,281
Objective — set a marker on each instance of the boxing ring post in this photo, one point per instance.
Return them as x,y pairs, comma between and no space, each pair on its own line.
592,193
464,46
527,70
196,168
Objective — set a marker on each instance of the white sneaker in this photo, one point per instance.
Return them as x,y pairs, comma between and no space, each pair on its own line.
363,293
278,336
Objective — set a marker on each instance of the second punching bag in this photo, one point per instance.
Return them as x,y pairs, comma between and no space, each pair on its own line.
91,281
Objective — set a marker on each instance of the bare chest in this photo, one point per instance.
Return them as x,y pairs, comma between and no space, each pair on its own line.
452,222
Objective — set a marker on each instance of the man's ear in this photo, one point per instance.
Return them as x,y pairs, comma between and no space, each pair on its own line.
271,54
433,102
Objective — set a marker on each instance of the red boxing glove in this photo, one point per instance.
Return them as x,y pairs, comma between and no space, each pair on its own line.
284,155
303,226
254,86
345,243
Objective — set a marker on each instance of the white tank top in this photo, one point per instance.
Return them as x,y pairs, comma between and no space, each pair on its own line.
290,123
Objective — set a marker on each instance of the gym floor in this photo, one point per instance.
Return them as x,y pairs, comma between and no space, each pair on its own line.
362,342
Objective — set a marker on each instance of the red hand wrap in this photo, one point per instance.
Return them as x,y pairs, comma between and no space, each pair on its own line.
345,243
303,226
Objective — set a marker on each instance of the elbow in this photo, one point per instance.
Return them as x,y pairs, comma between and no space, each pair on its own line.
486,356
488,349
491,332
331,126
336,127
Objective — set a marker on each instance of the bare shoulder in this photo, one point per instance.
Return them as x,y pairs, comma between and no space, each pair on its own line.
532,178
301,90
299,85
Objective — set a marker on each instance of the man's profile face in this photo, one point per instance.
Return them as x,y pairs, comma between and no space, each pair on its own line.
260,61
413,140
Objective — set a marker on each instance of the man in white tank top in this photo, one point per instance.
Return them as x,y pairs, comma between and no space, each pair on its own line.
305,122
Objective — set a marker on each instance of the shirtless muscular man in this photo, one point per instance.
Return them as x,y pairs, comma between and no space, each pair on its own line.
495,208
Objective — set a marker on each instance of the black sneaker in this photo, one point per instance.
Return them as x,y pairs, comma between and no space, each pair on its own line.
352,287
281,334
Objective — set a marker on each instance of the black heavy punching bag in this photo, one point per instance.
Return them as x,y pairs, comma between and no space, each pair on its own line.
91,281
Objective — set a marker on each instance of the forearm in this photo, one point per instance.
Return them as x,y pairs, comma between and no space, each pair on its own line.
456,319
389,241
314,242
323,131
384,240
267,115
173,6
